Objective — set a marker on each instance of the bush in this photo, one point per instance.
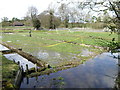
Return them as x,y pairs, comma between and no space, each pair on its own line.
6,23
96,25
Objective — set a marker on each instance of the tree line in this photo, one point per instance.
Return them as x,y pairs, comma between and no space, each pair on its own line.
90,13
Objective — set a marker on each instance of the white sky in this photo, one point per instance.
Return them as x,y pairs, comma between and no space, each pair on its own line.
19,8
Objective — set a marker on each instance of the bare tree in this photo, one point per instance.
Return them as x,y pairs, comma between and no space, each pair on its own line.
51,11
64,14
51,19
100,6
32,13
5,22
48,20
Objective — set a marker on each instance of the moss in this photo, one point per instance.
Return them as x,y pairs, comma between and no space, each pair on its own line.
60,78
9,71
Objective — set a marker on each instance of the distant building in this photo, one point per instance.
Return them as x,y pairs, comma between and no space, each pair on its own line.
17,23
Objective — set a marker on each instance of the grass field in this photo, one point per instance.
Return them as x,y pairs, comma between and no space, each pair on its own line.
17,27
60,47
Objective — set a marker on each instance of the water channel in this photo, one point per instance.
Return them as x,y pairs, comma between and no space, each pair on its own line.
22,61
100,72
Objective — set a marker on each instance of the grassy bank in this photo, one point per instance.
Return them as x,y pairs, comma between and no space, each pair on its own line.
9,70
0,71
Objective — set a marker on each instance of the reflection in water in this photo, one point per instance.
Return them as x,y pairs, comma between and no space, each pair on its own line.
2,48
100,72
51,57
86,53
54,58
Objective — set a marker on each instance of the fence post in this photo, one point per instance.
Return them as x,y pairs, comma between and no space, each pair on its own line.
36,67
22,69
13,60
27,68
18,63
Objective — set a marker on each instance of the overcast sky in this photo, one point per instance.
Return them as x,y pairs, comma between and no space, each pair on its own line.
18,8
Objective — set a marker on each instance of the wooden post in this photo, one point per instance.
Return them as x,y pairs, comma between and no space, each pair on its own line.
13,60
22,69
27,68
36,67
18,63
30,33
20,49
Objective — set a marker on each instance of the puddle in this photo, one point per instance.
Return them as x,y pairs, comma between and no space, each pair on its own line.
9,41
3,48
99,72
43,55
55,58
18,40
23,35
86,53
52,57
21,59
25,44
48,54
10,33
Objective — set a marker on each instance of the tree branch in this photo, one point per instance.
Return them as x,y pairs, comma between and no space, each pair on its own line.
113,7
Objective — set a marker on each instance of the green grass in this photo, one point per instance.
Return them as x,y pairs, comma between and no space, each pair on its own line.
9,70
0,70
16,27
53,41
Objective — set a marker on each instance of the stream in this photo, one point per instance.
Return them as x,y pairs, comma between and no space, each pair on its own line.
99,72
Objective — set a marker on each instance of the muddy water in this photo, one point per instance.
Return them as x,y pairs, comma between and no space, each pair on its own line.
22,60
99,72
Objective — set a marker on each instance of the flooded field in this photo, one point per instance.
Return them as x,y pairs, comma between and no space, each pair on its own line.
100,72
50,47
55,58
62,48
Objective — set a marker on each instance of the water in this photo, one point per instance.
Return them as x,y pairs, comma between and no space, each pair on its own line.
3,48
22,60
56,58
51,57
99,72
